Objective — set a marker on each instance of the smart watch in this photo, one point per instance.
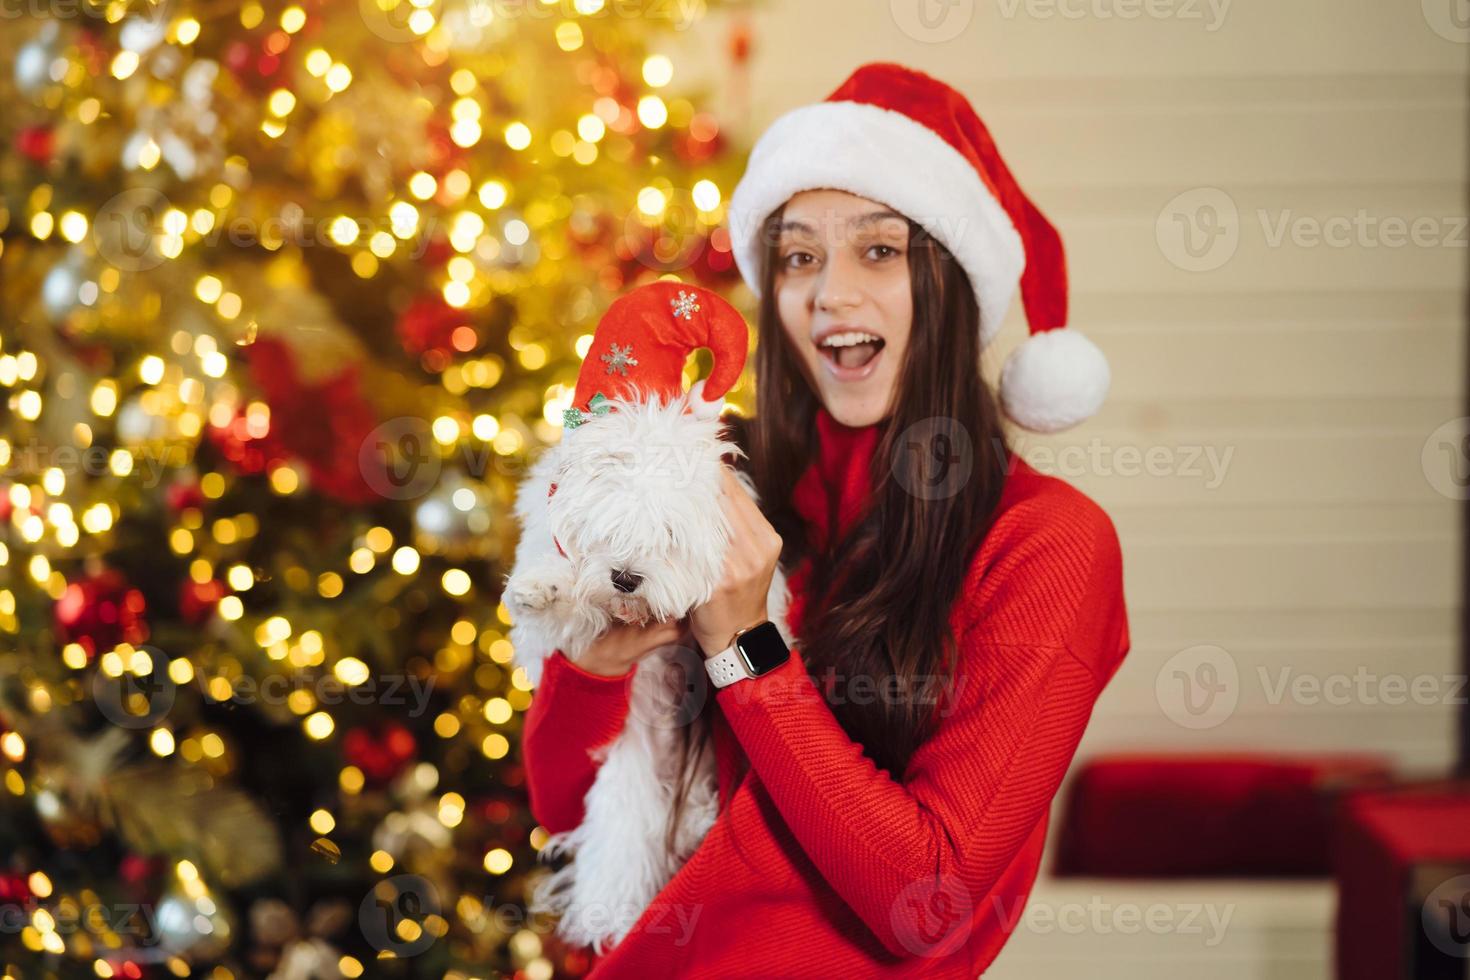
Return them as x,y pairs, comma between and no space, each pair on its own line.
756,650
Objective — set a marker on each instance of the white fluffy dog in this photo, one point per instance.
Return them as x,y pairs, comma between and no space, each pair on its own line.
622,521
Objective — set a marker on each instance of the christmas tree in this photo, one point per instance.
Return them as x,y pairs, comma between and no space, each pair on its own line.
290,295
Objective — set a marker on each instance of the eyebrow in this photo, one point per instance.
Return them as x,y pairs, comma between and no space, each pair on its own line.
872,217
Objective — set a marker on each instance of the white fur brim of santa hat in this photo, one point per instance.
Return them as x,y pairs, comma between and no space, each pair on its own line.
905,140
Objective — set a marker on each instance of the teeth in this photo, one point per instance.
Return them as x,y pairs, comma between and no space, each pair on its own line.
850,339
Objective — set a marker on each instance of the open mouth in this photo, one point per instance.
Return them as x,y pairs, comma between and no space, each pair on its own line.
851,351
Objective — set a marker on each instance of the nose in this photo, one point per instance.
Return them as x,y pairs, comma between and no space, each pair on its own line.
624,580
839,285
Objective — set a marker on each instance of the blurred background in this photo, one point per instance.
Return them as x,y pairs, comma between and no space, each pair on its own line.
290,294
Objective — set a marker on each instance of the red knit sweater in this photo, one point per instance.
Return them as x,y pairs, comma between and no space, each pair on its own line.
821,864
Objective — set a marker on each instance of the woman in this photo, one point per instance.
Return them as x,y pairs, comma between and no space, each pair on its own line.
885,789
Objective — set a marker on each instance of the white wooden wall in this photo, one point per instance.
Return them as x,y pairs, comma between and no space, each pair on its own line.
1321,370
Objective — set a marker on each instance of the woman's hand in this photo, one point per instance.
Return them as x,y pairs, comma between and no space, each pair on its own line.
622,645
739,601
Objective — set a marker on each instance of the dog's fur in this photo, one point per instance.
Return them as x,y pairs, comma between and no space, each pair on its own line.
637,489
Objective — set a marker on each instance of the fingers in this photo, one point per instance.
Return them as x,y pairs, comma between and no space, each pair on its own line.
738,501
747,523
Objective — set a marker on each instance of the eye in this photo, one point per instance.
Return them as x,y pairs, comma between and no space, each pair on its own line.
797,260
887,251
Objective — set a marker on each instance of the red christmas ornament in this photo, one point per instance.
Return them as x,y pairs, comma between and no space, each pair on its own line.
36,143
183,494
380,752
13,889
324,424
437,251
197,600
100,611
429,324
715,266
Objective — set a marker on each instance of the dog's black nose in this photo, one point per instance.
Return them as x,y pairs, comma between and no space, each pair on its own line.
624,580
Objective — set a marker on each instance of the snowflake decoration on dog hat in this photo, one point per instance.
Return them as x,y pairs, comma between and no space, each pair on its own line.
641,343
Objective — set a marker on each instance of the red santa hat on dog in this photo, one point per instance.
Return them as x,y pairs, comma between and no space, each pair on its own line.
898,137
641,343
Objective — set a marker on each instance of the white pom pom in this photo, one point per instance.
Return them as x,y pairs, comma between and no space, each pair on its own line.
701,408
1054,380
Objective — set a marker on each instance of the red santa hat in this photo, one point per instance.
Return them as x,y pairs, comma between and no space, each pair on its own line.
641,343
901,138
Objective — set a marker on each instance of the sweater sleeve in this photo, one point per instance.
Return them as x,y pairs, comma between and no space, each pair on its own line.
572,714
1041,629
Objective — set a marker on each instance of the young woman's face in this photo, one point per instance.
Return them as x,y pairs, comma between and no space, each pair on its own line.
843,294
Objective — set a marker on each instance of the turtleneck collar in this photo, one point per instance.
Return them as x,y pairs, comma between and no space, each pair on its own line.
836,483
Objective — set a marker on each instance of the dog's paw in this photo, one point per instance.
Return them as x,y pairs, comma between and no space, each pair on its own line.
530,595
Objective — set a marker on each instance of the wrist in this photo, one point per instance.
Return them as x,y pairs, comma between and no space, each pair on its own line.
713,644
590,663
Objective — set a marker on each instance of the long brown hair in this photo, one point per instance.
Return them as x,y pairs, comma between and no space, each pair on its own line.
888,617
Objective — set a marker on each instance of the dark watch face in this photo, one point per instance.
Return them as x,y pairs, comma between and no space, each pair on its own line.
762,648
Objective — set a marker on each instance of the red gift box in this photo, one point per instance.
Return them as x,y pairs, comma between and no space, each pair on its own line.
1403,872
1207,815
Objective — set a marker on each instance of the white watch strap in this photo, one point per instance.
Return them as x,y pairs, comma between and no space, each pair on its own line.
726,667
